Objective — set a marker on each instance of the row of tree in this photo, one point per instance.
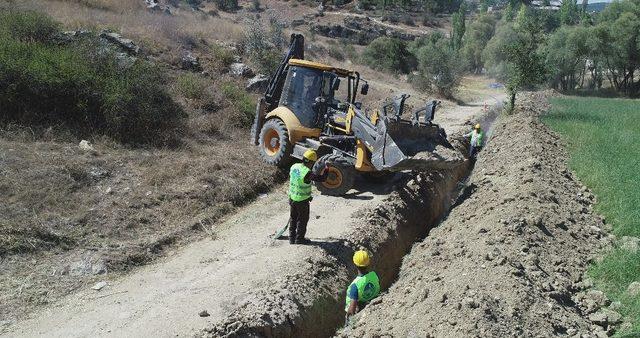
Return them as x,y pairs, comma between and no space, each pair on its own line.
567,49
432,6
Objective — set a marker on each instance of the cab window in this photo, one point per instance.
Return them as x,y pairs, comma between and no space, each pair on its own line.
301,88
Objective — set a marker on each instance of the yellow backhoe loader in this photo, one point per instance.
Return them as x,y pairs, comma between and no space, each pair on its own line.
303,108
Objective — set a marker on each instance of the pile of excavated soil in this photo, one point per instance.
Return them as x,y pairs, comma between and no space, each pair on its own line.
509,259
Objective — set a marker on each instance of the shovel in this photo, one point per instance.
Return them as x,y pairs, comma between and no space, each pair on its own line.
282,231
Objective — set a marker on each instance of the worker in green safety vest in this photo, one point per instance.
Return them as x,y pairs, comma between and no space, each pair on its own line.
300,178
476,141
364,288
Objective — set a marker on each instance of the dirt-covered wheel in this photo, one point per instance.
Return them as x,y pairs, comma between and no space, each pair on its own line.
275,146
382,176
341,175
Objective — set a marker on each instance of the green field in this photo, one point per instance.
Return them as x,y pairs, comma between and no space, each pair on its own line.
603,137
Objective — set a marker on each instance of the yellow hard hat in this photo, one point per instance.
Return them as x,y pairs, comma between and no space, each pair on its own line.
361,258
477,126
310,155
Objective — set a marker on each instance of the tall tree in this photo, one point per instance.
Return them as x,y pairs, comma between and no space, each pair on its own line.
525,68
475,40
569,13
458,22
509,12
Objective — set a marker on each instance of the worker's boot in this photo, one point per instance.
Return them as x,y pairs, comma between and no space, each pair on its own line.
302,241
292,233
303,219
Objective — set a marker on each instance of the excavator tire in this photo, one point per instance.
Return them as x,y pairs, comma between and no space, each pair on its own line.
275,146
341,176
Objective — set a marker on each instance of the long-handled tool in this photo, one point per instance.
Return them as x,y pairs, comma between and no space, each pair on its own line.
283,230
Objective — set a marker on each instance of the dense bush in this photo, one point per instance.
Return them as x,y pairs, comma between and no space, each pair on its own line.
494,56
475,40
79,85
242,103
336,52
191,86
226,5
439,66
263,45
389,54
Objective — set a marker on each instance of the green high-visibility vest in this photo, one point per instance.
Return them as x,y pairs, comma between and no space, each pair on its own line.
476,138
298,189
368,288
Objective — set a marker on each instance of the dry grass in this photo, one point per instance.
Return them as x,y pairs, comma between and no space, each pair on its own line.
132,19
59,206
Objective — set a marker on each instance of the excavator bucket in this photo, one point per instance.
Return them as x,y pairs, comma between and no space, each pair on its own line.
403,145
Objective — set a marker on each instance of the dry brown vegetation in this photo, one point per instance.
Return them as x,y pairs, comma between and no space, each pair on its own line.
62,207
154,30
69,216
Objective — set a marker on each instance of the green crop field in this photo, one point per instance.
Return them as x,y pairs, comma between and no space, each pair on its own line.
603,136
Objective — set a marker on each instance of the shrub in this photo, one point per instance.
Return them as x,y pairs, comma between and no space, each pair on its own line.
389,54
243,104
439,66
349,50
263,46
407,19
226,5
393,18
135,107
335,51
194,3
223,56
27,26
256,5
191,86
80,85
366,4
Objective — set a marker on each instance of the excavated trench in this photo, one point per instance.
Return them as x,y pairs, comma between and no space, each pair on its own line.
310,302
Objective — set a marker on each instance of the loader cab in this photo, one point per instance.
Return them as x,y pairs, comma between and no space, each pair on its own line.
301,88
310,88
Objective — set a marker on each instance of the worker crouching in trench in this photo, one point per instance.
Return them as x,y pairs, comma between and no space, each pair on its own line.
364,288
300,178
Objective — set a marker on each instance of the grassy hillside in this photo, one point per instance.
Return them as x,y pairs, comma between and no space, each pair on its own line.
80,84
602,135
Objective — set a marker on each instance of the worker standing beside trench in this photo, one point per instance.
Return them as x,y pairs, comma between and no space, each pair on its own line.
364,288
300,177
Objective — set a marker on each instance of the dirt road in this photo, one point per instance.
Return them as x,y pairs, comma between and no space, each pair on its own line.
217,275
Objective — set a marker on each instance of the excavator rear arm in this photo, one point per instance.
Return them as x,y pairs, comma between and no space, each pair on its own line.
272,95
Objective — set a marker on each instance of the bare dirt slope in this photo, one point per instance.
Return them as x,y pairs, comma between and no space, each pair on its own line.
215,274
509,259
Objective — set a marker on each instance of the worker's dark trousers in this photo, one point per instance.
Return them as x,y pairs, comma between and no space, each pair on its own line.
299,219
473,152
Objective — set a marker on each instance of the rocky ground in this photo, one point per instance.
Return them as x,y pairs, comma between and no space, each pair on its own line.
510,258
